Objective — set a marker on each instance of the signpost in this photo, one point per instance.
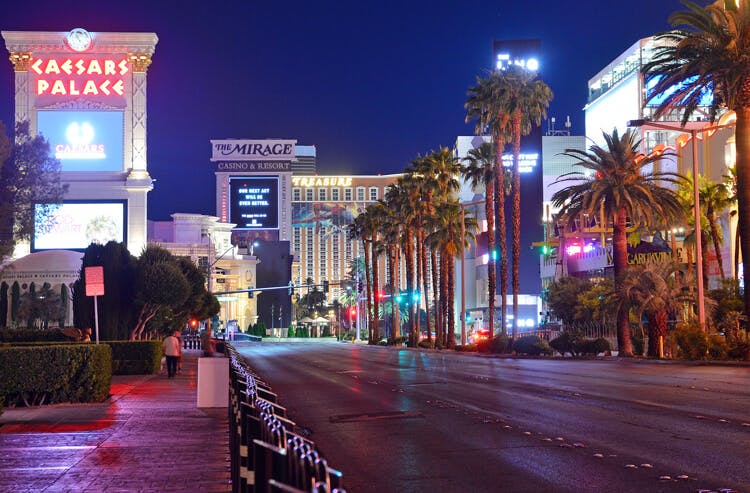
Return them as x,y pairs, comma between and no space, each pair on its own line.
95,287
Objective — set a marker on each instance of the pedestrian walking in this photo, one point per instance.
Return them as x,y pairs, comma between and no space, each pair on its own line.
173,351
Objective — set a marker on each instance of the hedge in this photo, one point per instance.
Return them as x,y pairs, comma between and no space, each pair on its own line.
135,357
32,335
36,375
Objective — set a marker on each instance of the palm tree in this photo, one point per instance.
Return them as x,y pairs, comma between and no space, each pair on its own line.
707,53
715,199
658,290
446,238
527,105
486,104
619,186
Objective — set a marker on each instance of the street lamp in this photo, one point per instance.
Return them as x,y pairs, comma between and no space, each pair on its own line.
694,131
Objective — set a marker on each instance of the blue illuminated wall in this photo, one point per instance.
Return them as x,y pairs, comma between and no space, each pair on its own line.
84,140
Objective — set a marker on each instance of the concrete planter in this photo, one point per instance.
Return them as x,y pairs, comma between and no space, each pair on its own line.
213,382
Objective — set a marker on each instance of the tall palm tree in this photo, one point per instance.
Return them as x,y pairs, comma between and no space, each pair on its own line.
446,238
391,230
527,105
479,170
486,103
707,52
658,290
714,200
620,186
409,199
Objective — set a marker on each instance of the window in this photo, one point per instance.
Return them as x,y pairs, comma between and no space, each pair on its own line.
298,240
309,195
374,194
335,194
348,194
309,232
335,256
360,194
322,194
296,194
323,253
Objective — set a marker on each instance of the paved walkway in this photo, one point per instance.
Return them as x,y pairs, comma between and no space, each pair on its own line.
149,436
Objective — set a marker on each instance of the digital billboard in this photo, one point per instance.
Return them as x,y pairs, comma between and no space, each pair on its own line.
84,140
254,202
706,95
75,225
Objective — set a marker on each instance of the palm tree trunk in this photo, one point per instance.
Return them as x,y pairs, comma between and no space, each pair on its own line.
443,297
436,292
704,259
419,255
502,240
368,289
516,216
451,268
742,144
425,292
715,240
620,264
489,211
393,269
409,258
376,290
657,328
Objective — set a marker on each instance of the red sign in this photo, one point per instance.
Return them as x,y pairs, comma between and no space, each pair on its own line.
94,280
80,76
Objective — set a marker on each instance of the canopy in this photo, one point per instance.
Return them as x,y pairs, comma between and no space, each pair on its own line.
321,320
307,320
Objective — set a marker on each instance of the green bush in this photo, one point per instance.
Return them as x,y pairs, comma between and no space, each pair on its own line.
563,344
638,342
718,347
302,332
56,373
531,345
32,335
290,331
739,350
135,357
592,346
498,345
468,348
426,344
689,341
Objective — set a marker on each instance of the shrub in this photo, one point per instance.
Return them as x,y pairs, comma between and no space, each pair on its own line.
135,357
426,344
32,335
498,345
739,350
690,341
468,348
531,345
717,347
592,346
302,332
290,331
639,343
563,344
57,373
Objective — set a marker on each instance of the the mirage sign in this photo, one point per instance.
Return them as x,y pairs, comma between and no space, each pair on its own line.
252,150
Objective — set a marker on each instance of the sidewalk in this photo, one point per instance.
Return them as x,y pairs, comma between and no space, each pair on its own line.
149,436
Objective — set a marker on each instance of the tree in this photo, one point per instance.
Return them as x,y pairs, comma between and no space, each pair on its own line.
562,297
28,176
527,105
3,305
619,186
714,200
657,290
706,53
486,103
160,284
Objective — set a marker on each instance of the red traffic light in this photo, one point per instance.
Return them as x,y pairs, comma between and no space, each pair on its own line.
353,311
194,322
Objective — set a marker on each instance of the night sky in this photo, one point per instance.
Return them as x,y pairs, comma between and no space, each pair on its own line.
371,84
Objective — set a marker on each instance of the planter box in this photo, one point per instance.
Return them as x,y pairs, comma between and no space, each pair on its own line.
213,382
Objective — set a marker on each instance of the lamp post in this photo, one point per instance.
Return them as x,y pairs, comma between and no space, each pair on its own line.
649,125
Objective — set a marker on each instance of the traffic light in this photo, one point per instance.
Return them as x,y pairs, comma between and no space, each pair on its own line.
325,286
416,296
399,298
291,288
494,254
352,311
193,323
250,292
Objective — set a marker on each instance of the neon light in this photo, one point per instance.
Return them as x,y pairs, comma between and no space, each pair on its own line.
573,249
82,76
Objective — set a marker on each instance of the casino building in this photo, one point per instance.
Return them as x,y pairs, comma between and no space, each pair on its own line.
86,93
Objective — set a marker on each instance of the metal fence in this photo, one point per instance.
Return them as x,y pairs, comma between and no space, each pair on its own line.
267,455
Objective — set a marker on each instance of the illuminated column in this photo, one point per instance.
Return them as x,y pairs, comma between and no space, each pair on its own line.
140,63
21,62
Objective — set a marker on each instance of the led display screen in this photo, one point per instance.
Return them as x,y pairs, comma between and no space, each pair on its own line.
254,202
75,225
706,99
84,140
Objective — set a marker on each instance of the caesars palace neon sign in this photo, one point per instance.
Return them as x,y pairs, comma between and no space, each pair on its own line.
82,76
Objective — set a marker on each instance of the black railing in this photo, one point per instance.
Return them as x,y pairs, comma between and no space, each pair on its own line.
267,455
191,340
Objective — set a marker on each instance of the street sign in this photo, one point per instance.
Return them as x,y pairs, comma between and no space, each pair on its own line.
94,280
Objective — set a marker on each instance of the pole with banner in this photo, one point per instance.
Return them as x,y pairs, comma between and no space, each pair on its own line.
95,287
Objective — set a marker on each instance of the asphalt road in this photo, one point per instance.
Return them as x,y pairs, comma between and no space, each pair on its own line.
403,420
